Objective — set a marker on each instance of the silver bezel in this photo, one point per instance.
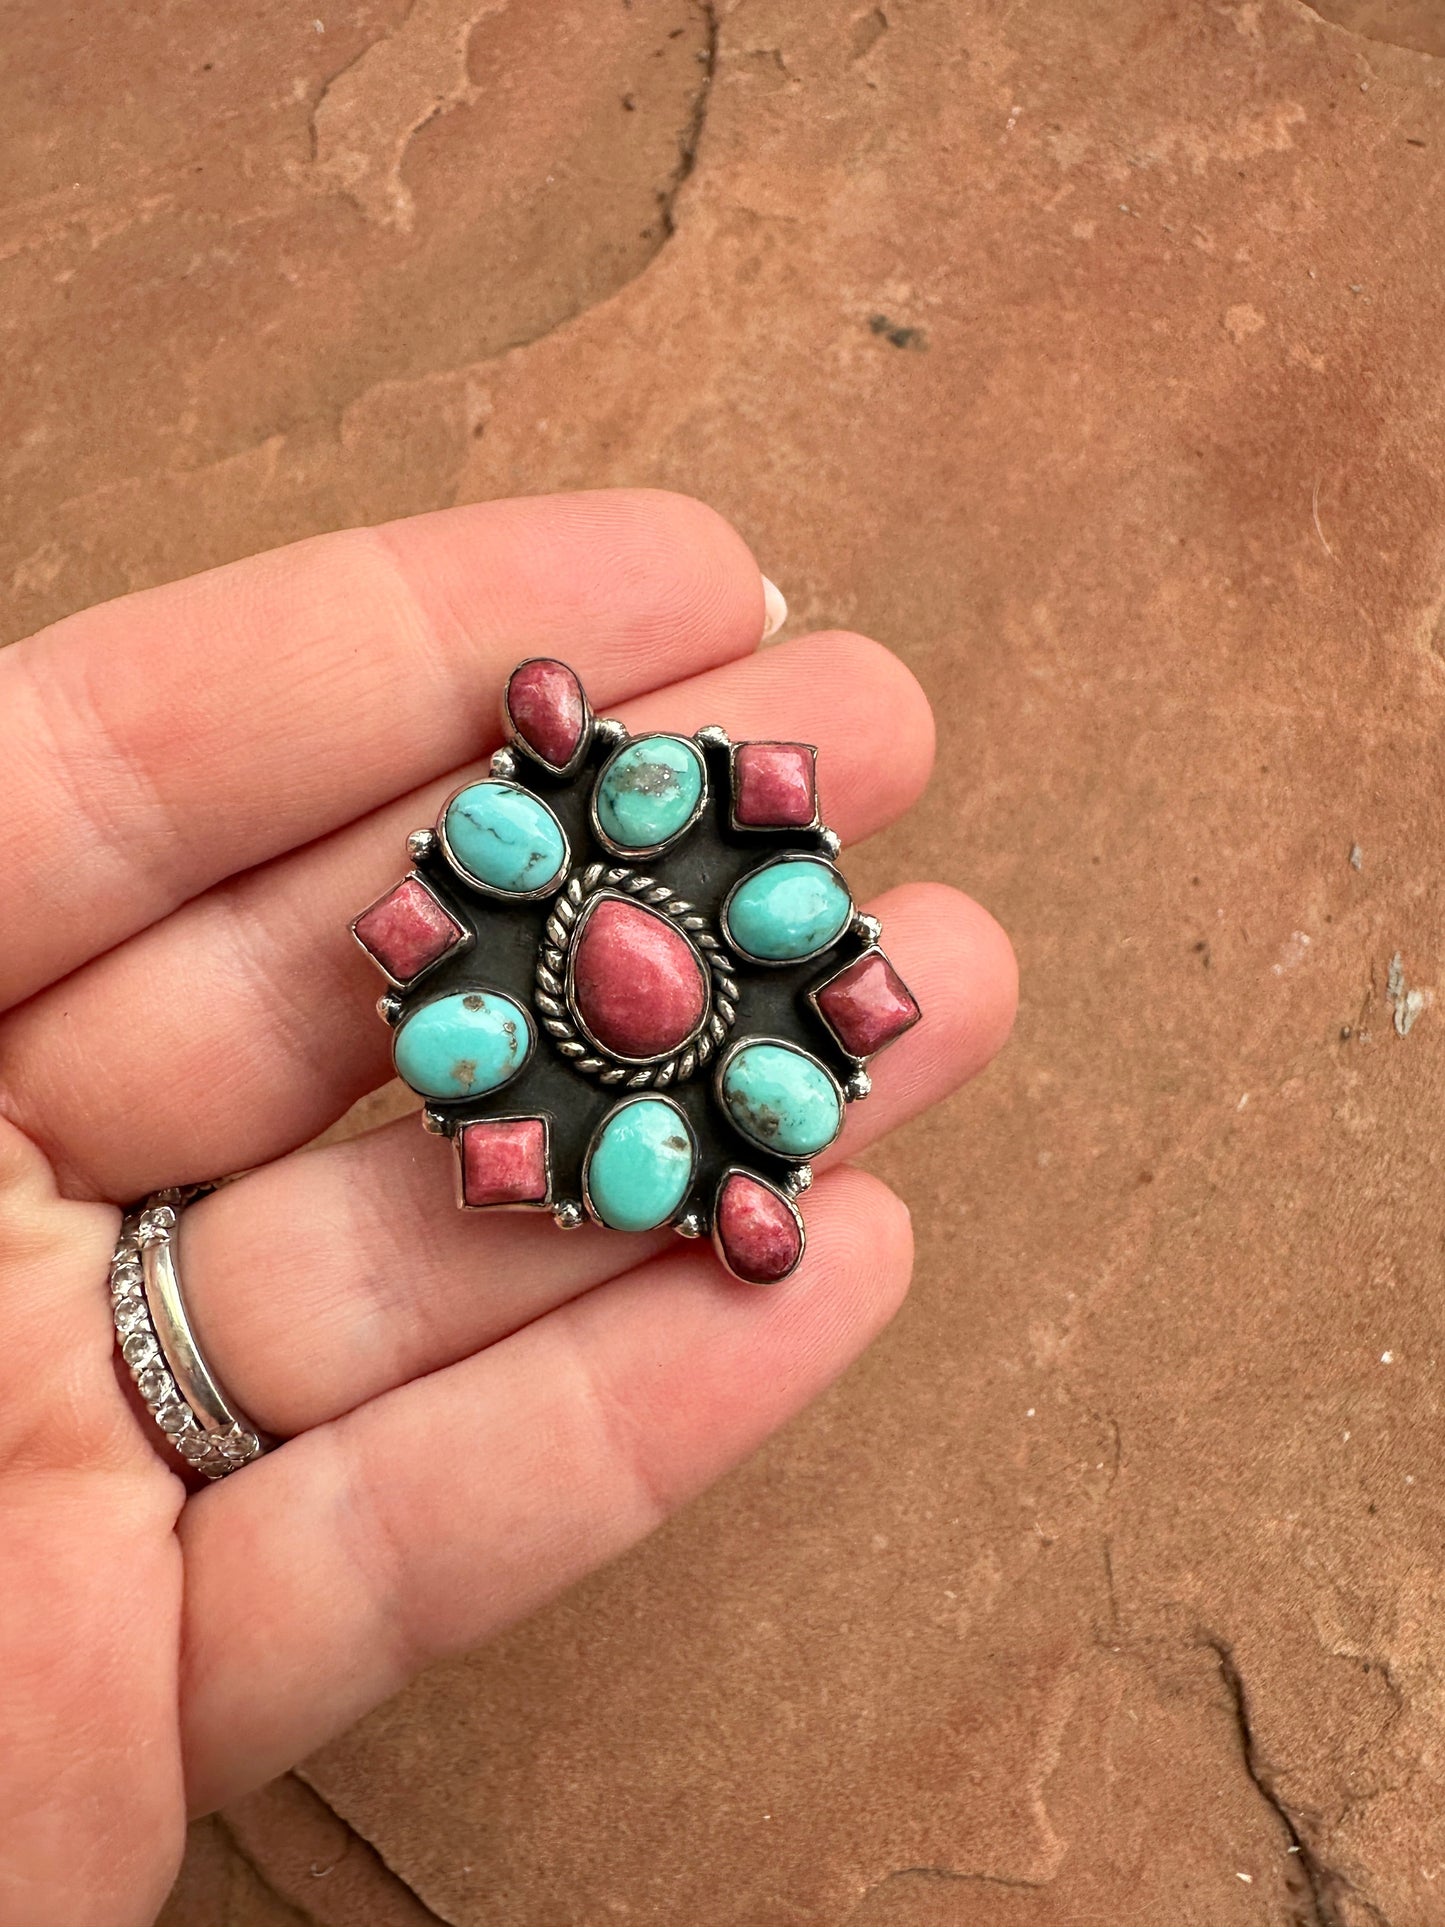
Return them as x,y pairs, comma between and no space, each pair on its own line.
771,829
429,1098
574,942
550,888
464,942
772,863
798,1050
778,1191
510,1117
519,741
623,1104
623,850
810,997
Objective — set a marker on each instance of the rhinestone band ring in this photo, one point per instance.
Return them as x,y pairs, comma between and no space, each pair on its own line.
160,1349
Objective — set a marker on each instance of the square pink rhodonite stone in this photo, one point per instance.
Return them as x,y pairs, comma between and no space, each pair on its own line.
867,1005
407,930
504,1161
774,786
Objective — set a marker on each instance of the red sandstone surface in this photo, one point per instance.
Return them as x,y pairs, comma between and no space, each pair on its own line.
1091,353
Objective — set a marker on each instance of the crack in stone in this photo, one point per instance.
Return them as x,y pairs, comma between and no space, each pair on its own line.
954,1876
257,1871
1414,29
697,120
1325,1887
354,1836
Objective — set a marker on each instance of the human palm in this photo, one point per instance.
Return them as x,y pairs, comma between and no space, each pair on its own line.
201,785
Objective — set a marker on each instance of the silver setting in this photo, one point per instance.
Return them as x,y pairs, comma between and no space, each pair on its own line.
641,1097
784,1193
585,735
463,942
626,851
795,1050
771,829
548,889
160,1349
463,1097
458,1136
812,995
772,863
543,953
553,985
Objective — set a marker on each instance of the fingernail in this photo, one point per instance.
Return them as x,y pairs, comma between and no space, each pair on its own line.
775,609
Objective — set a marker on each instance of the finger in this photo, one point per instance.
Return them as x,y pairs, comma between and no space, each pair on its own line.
382,1279
322,1577
156,744
87,1556
245,1024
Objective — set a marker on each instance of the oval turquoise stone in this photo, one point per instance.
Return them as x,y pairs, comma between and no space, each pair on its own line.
781,1098
649,791
788,910
641,1165
501,835
464,1045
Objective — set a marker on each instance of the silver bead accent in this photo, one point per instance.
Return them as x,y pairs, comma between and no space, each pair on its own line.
714,736
388,1007
609,732
504,764
858,1087
690,1226
434,1122
832,843
798,1180
421,844
569,1214
866,927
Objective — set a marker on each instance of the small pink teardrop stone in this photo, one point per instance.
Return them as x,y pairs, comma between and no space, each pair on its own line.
547,709
638,984
758,1232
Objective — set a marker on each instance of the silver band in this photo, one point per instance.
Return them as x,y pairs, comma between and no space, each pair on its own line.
159,1345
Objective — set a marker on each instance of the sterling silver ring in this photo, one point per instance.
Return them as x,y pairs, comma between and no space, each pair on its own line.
159,1346
629,980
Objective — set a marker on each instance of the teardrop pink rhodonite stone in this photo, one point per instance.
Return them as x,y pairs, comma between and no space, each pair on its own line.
546,708
638,984
758,1233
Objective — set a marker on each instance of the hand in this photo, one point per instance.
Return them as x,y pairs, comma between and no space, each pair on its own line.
202,784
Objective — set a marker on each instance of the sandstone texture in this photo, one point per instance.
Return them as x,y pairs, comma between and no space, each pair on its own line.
1091,353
